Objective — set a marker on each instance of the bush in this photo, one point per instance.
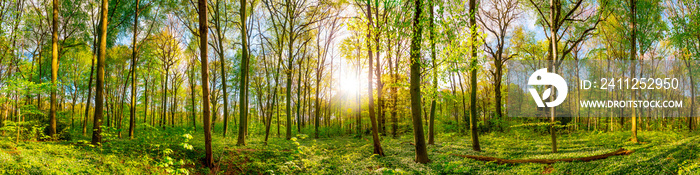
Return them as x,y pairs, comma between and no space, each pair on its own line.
62,131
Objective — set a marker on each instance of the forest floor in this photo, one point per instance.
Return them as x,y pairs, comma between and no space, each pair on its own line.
172,151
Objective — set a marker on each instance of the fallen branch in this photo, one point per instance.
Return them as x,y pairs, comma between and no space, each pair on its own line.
620,151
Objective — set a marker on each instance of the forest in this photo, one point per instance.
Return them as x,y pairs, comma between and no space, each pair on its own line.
349,86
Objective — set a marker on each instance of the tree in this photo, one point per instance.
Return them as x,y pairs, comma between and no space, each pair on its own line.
134,55
54,68
99,92
291,19
633,56
473,67
418,136
132,109
168,51
497,22
576,19
685,16
220,18
370,73
92,70
322,54
245,59
431,27
202,9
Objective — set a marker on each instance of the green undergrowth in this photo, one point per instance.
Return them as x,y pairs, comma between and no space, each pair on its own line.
181,151
658,153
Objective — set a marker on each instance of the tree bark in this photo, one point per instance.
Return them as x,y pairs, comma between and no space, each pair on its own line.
87,106
419,137
375,134
431,125
202,6
243,96
223,64
54,69
193,113
164,108
132,109
99,92
472,117
633,56
550,65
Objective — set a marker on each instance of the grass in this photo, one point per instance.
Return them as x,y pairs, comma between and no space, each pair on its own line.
164,152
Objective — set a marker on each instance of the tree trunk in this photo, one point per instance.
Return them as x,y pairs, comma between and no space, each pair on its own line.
132,109
99,96
298,103
243,97
431,124
274,103
472,117
550,66
173,104
202,5
419,137
359,97
223,63
87,106
164,108
692,94
145,87
54,69
633,56
75,99
375,134
193,113
289,101
317,109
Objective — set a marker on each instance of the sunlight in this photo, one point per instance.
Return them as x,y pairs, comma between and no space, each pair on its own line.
349,82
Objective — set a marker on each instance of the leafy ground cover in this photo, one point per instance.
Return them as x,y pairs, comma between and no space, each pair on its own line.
179,151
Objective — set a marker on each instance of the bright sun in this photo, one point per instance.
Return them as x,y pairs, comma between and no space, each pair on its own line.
349,85
349,82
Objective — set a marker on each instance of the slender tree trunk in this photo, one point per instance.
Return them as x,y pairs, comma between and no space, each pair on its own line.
173,104
202,5
318,108
274,103
375,134
145,95
192,96
419,137
99,106
54,69
359,98
278,119
454,104
243,97
75,99
431,125
223,63
289,101
298,103
164,108
553,49
692,95
134,53
472,117
633,56
87,106
394,90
